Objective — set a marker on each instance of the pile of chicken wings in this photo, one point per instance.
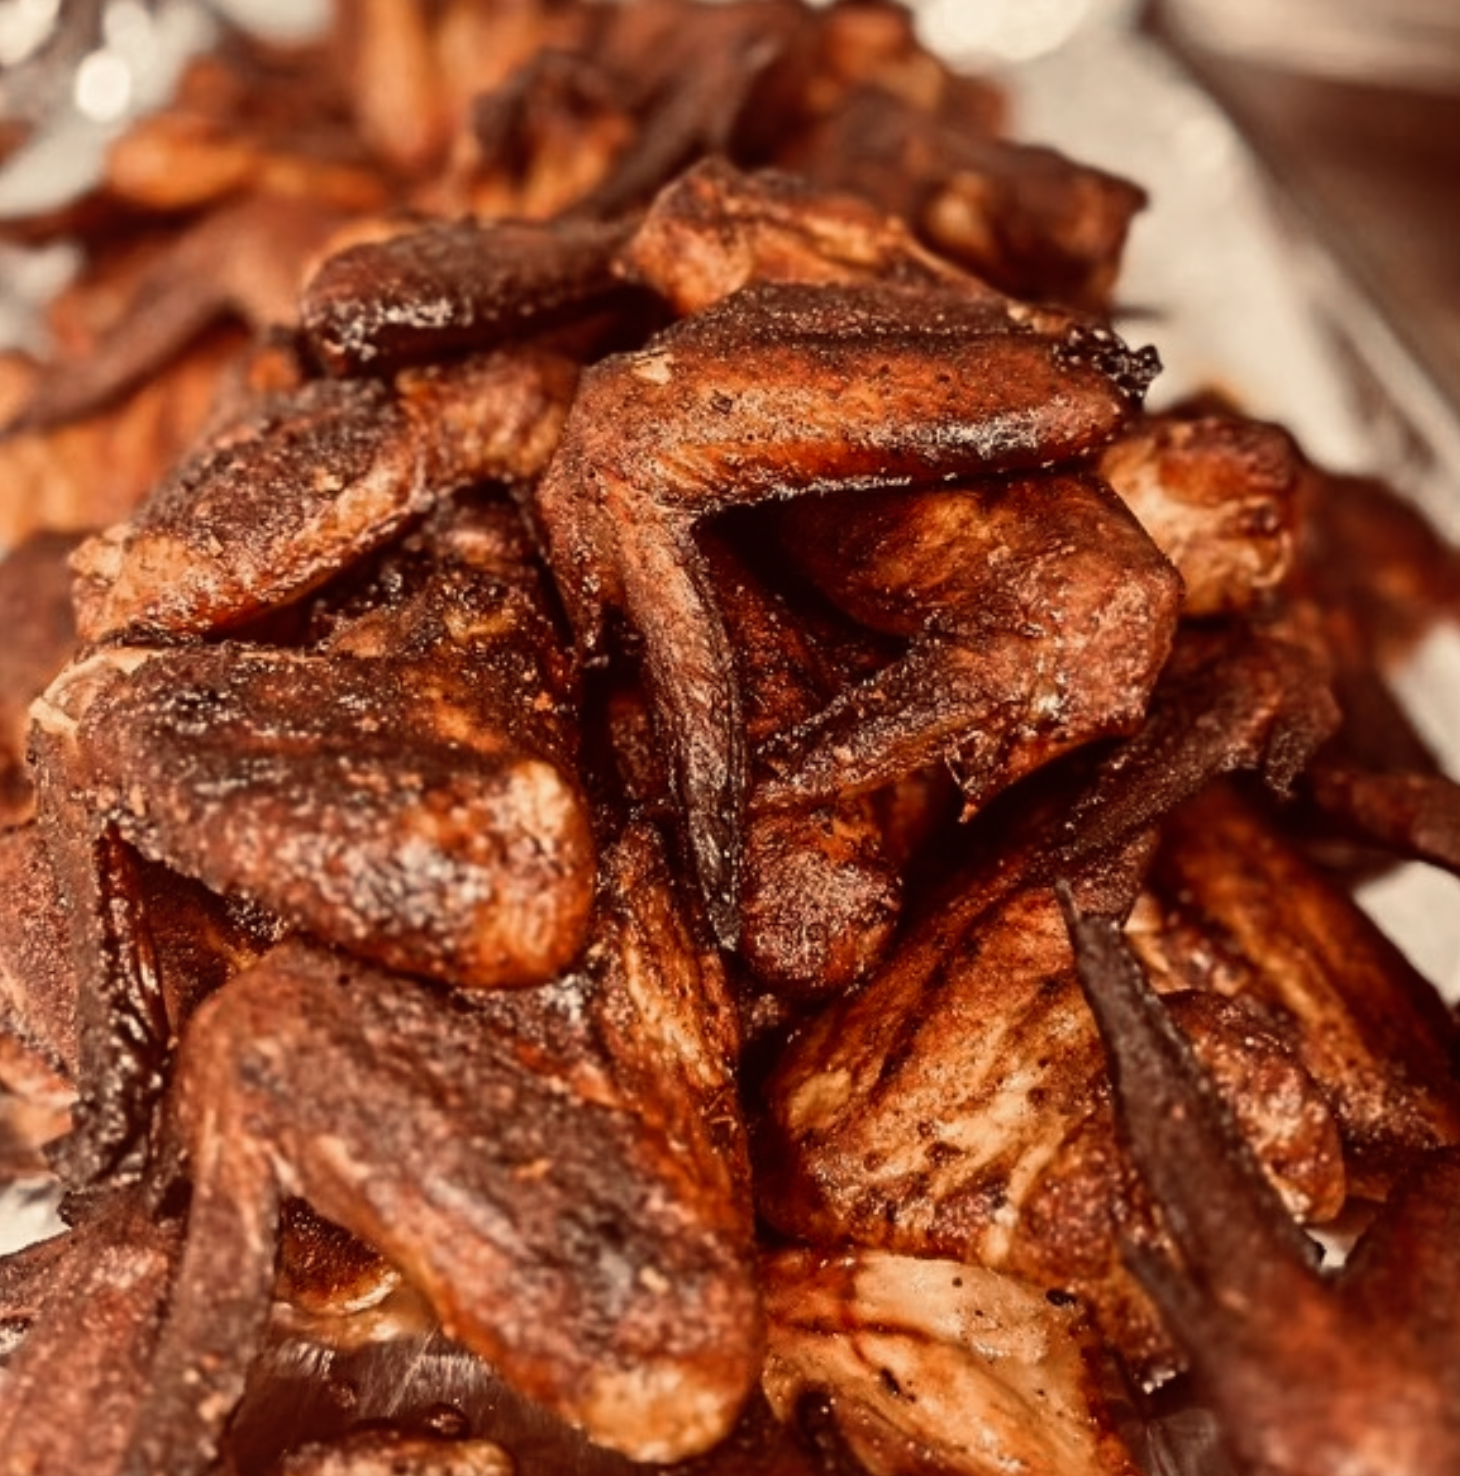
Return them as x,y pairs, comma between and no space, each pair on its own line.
652,824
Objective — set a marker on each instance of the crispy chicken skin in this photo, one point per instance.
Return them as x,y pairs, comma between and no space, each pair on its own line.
1374,1034
1038,616
822,892
715,229
777,390
444,288
122,1031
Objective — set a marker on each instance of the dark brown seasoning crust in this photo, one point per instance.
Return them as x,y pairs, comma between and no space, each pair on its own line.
1047,630
822,890
559,1173
409,792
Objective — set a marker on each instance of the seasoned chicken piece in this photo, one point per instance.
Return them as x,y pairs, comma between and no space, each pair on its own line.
62,954
561,1172
1372,1032
269,510
776,391
1038,615
141,946
35,608
409,791
955,1107
936,1365
1219,495
1353,1375
444,288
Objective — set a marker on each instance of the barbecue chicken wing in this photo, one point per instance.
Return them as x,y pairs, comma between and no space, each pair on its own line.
783,390
407,790
559,1171
1037,615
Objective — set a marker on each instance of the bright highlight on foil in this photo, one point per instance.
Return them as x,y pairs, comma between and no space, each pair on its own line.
103,88
1001,30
